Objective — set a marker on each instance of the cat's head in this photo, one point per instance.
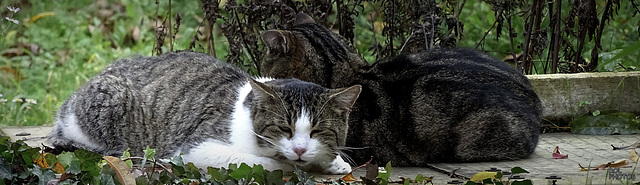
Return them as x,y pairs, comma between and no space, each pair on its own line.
310,52
301,122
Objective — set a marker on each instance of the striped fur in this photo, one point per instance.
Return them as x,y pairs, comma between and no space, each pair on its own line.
442,105
212,112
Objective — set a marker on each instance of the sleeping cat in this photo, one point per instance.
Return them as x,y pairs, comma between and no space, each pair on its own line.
212,112
442,105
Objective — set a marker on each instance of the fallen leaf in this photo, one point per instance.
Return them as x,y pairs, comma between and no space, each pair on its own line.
58,168
556,154
348,177
612,164
483,175
632,146
586,169
634,156
122,170
42,162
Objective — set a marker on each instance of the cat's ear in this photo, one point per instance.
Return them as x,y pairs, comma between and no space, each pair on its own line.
275,40
346,96
303,18
261,90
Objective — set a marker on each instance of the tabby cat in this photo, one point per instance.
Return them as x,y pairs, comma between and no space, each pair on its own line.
442,105
212,112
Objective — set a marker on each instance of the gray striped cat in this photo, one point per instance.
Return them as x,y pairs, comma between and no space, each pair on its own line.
212,112
442,105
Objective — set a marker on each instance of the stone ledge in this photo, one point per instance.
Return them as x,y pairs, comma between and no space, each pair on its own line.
561,94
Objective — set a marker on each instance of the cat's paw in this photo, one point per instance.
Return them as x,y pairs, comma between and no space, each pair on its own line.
338,166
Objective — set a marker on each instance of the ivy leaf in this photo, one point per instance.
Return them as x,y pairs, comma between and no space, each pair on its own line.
242,172
65,158
44,176
259,175
126,155
498,175
275,177
29,155
5,171
192,171
177,160
148,154
74,167
87,156
107,179
303,178
384,176
518,170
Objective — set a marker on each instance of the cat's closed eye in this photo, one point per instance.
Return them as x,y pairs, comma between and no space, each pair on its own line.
287,131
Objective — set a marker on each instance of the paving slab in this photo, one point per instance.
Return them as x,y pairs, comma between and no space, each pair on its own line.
587,150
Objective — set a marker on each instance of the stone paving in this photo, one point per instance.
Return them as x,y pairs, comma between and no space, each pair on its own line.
586,150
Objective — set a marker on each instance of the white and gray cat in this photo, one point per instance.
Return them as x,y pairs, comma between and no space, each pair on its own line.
212,112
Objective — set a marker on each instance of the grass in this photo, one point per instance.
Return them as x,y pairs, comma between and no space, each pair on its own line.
74,40
71,49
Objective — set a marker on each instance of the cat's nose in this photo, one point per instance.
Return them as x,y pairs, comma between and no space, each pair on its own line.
299,151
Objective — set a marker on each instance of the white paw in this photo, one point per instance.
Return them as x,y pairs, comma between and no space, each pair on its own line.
338,166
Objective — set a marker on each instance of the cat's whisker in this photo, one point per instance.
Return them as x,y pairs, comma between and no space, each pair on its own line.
347,158
270,141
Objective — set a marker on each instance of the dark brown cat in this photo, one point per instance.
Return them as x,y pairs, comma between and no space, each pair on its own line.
442,105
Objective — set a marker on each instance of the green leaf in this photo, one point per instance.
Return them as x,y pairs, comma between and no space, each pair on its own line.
596,113
87,156
518,170
384,176
44,176
29,155
274,177
242,172
193,171
126,155
90,168
470,183
65,158
302,177
142,180
259,174
74,167
487,181
50,159
106,179
177,160
148,154
499,175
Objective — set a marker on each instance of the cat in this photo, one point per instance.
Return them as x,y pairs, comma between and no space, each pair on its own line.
212,112
441,105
